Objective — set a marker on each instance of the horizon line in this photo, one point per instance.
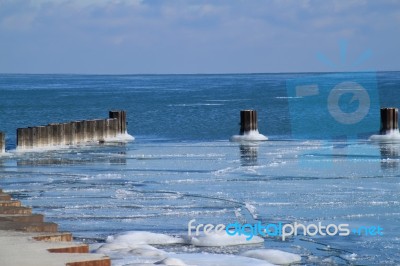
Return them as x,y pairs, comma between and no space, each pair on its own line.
193,74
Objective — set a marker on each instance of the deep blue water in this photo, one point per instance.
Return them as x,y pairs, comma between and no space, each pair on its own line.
182,166
178,107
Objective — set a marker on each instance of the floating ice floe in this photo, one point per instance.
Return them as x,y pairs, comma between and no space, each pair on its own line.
138,243
207,259
223,239
273,256
142,237
171,262
134,249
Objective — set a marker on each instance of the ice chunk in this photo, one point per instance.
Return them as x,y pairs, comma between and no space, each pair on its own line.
142,237
171,262
223,239
206,259
390,136
273,256
253,135
138,243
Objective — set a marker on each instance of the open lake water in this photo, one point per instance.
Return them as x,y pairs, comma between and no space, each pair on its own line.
181,165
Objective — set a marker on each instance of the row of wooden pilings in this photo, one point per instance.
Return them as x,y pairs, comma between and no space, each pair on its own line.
102,129
71,133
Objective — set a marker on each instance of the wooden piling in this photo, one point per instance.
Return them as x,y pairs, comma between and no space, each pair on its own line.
74,135
248,121
58,137
49,130
2,142
121,117
20,137
42,136
389,120
100,129
91,130
54,133
111,128
80,132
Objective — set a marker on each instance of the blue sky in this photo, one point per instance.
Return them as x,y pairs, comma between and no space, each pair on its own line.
185,36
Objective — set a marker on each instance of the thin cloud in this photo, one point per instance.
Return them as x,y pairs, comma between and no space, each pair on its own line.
177,36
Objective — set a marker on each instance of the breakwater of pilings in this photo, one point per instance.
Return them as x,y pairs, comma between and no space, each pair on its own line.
73,133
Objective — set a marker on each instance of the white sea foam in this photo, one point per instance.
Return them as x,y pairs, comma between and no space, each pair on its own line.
273,256
223,239
252,135
390,136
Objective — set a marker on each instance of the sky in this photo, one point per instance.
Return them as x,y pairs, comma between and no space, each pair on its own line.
191,37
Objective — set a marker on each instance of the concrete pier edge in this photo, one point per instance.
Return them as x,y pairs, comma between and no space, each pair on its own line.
26,239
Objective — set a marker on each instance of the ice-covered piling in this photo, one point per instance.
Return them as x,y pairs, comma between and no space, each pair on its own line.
2,142
75,132
248,127
389,132
389,120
